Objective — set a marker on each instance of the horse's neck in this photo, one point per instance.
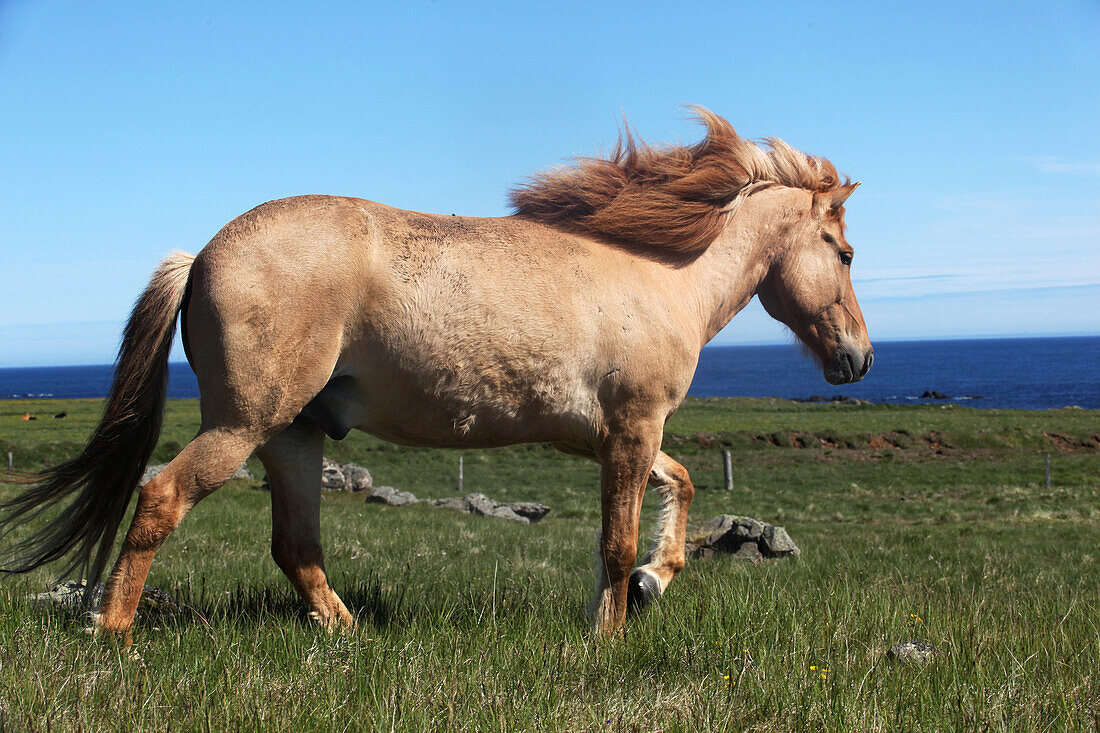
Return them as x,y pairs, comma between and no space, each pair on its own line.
726,276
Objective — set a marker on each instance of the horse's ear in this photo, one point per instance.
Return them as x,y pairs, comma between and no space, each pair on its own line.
824,200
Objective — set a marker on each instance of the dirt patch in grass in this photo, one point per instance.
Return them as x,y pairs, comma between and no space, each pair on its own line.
1069,444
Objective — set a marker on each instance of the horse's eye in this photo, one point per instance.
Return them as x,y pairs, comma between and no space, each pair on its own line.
846,258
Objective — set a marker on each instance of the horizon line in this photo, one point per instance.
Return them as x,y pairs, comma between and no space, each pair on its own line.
745,344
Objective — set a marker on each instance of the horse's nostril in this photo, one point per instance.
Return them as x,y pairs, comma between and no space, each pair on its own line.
867,362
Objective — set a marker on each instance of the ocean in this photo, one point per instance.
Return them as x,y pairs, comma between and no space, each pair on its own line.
1027,373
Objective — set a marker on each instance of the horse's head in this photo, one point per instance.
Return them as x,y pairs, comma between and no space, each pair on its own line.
809,289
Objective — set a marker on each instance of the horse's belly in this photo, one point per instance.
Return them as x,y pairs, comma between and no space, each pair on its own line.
402,409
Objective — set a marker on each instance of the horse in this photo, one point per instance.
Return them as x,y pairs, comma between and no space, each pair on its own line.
575,321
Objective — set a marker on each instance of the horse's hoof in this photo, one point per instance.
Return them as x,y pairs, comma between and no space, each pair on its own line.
642,591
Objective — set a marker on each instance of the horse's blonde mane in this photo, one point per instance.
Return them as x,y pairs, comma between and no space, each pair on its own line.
670,197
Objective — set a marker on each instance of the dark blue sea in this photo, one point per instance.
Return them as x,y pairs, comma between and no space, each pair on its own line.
1031,373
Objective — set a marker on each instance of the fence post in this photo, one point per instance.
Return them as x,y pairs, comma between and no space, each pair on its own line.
1048,469
727,465
460,474
10,460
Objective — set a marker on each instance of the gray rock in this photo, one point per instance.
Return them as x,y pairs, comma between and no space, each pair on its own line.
356,478
483,506
523,512
336,477
332,476
391,496
775,542
742,537
530,509
729,531
749,551
913,652
151,472
68,596
454,503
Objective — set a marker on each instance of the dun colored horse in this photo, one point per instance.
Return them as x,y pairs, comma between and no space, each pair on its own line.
576,321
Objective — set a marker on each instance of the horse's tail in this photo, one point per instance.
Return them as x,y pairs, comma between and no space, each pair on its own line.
100,482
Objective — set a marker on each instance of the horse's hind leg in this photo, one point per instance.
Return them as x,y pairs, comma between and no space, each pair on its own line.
202,467
293,462
666,558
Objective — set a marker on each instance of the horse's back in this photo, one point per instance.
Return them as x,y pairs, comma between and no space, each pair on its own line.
428,329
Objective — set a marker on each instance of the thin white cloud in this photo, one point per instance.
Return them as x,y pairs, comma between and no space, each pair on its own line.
958,276
1058,165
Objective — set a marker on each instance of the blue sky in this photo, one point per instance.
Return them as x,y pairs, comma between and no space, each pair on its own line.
128,129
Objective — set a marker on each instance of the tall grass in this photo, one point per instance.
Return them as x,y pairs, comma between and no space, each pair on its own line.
476,624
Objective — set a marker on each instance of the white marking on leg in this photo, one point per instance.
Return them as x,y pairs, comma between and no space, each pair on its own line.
597,608
660,583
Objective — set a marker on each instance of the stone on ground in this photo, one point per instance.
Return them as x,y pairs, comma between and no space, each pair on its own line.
523,512
391,496
913,652
356,478
742,537
68,595
332,476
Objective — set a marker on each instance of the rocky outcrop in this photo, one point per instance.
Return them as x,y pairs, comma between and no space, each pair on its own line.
344,477
523,512
356,478
743,537
919,653
339,477
68,596
391,496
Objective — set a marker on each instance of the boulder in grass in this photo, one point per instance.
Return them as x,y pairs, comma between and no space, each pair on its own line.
344,476
919,653
523,512
68,597
483,506
742,537
356,478
454,503
332,476
339,477
391,496
530,509
151,472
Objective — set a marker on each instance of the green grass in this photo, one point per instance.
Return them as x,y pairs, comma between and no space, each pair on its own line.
477,624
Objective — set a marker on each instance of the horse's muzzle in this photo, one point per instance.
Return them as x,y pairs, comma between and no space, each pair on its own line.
849,365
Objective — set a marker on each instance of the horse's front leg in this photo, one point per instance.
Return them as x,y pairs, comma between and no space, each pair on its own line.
626,460
667,558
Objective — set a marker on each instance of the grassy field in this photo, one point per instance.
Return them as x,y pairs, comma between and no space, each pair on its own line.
916,523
